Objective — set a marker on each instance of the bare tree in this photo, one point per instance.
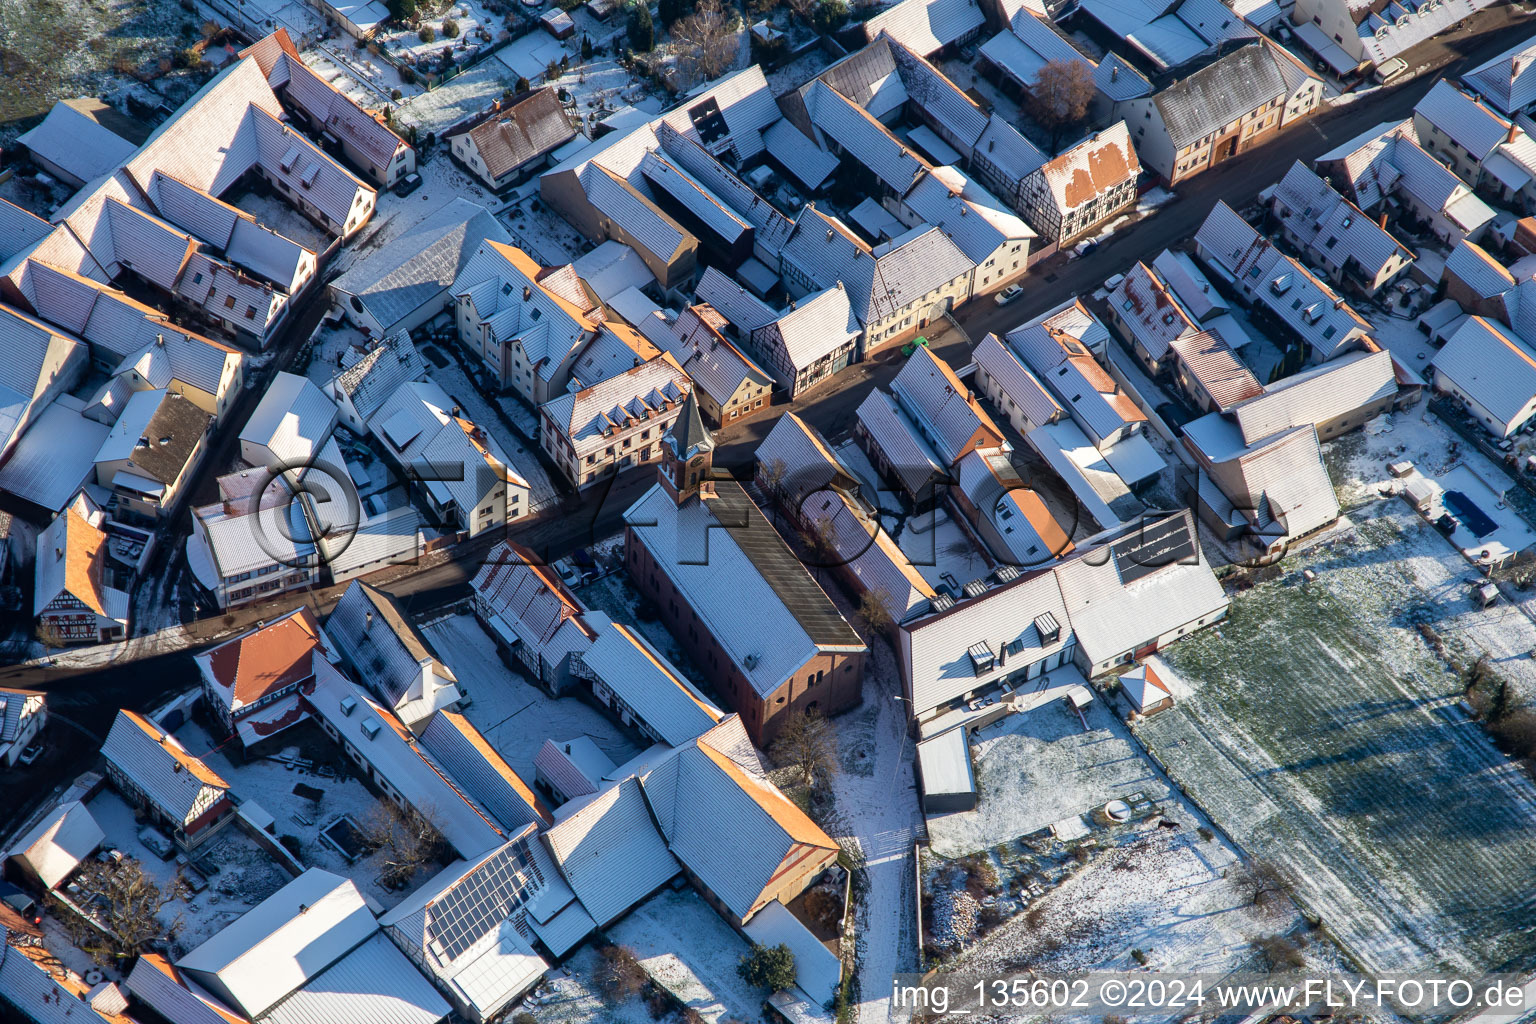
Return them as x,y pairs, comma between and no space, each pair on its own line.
875,609
803,9
773,473
619,973
821,537
1061,95
1264,880
408,839
807,744
126,903
706,41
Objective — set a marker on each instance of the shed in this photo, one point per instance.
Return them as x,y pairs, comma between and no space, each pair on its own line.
51,851
945,774
558,23
1146,687
1420,492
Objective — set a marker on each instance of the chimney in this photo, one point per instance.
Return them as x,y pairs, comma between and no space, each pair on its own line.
1512,130
368,621
455,410
58,553
527,293
1114,73
1383,221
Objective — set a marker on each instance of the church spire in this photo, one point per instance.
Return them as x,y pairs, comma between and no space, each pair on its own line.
689,455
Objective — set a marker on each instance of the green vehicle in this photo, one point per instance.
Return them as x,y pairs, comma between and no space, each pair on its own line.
913,345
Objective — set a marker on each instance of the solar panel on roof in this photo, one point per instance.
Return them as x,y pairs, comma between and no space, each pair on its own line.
709,121
1156,546
481,900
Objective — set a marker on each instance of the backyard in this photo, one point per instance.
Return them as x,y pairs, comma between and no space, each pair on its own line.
1324,731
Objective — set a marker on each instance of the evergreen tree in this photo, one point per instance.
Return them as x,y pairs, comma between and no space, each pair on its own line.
642,33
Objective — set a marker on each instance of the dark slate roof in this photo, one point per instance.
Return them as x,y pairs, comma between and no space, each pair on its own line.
688,434
173,432
1220,93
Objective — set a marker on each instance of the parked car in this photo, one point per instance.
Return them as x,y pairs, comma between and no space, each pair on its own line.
1008,294
408,184
156,843
31,754
20,902
1113,281
913,345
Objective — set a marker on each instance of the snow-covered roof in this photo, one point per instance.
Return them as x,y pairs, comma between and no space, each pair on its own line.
911,457
1027,45
505,285
975,220
1318,395
77,143
55,455
368,382
482,772
1210,360
386,655
34,982
175,782
1190,285
1492,364
1468,123
1506,81
373,984
950,415
702,793
1331,225
745,311
757,599
160,986
649,685
522,132
716,366
36,355
731,113
264,661
384,742
1050,347
421,264
612,268
21,230
818,971
610,852
926,26
283,942
1144,684
862,136
292,421
810,165
1016,380
1386,31
818,325
1084,172
526,599
1119,80
1222,92
587,417
1150,310
1031,535
59,842
1471,264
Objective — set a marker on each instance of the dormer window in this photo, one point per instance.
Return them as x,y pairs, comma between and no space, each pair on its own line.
982,658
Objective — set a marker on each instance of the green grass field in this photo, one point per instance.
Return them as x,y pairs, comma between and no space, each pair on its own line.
1324,735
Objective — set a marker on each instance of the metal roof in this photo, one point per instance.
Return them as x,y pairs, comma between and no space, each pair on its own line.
1492,365
926,25
610,852
649,684
283,942
373,984
753,594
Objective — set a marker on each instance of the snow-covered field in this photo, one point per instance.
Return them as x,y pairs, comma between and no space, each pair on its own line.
516,716
1040,767
1324,735
689,950
1172,894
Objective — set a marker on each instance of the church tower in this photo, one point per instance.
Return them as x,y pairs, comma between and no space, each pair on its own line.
688,458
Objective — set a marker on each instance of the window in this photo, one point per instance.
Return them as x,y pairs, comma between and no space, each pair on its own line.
229,301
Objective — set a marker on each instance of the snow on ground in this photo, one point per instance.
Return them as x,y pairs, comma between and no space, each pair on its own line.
270,784
614,596
1172,894
1401,336
689,950
569,995
879,800
515,715
1326,736
274,213
521,451
1040,767
543,233
240,873
1154,198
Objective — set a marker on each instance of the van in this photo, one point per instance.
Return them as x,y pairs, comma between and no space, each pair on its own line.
1387,70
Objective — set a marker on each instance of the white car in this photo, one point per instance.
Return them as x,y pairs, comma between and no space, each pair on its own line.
1113,281
1008,294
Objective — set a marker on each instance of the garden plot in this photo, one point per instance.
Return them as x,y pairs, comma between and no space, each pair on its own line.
1039,767
1178,897
1324,735
570,995
689,950
515,715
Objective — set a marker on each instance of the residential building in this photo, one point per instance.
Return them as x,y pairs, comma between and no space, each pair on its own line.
799,471
1491,370
1013,58
289,427
1126,594
1478,283
1388,164
75,598
1009,516
1059,347
776,644
1485,150
899,452
729,385
509,312
1354,251
1170,36
154,772
461,470
610,852
987,231
256,541
35,985
811,341
946,412
1149,315
644,690
1210,373
251,684
403,284
468,928
82,139
512,144
150,455
1267,277
361,389
1225,108
1261,495
1505,82
481,772
42,363
534,618
1086,185
385,655
1012,387
1350,37
23,714
616,424
928,27
48,854
368,144
295,953
206,373
571,769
